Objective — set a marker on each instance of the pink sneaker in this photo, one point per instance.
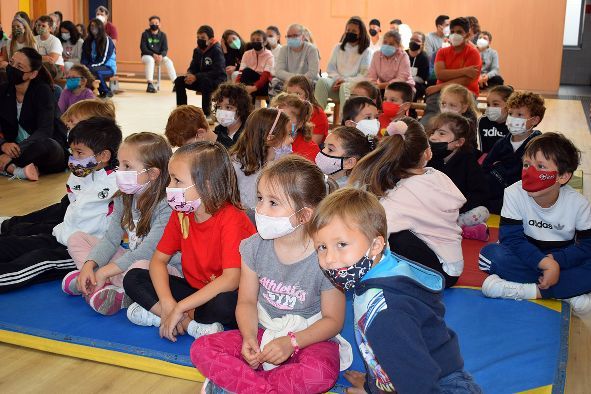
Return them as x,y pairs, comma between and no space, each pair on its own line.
69,283
479,232
109,300
31,172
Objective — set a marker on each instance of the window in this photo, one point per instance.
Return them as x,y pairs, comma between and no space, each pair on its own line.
573,23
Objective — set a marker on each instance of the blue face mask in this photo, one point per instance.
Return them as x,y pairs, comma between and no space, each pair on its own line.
294,42
388,50
73,83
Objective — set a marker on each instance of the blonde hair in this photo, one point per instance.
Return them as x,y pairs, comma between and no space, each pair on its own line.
29,37
304,112
86,109
465,96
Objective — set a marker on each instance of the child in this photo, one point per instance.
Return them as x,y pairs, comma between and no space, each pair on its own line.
489,74
287,311
256,65
32,258
300,113
86,109
140,213
206,229
456,98
451,139
361,113
78,87
544,248
491,126
422,204
503,163
343,148
369,90
399,314
187,124
301,87
397,101
233,105
266,134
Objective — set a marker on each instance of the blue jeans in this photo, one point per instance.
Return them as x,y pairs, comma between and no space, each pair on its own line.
102,73
459,382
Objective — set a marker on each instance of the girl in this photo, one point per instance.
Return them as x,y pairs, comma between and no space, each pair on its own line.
140,213
419,63
369,90
22,37
491,126
449,138
207,229
266,134
456,98
301,87
343,148
72,43
273,40
390,63
78,87
422,204
98,54
233,105
233,48
283,291
361,113
300,113
256,65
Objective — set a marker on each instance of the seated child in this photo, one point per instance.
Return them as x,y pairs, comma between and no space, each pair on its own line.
398,309
503,164
343,148
369,90
140,214
187,124
491,126
544,248
301,87
422,204
397,101
257,65
78,87
299,112
288,312
456,98
232,107
450,138
489,74
206,228
91,186
53,71
361,113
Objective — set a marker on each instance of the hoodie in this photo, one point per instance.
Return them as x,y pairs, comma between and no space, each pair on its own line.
209,64
400,328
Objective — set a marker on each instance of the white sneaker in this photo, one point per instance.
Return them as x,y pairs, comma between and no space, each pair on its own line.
197,330
138,315
581,304
495,287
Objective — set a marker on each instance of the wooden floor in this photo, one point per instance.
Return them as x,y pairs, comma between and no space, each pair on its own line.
33,371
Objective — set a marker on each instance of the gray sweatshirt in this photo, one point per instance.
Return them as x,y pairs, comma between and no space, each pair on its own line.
490,62
290,63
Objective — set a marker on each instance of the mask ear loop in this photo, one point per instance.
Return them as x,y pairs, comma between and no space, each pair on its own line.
270,136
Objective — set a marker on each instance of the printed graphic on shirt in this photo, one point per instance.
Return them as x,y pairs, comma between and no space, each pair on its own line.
281,295
492,132
208,61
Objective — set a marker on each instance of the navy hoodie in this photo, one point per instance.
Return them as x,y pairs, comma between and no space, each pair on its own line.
209,64
400,328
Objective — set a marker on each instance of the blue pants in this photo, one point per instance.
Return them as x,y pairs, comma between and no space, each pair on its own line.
499,259
459,382
102,73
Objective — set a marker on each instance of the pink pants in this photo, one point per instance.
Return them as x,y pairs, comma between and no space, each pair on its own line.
314,369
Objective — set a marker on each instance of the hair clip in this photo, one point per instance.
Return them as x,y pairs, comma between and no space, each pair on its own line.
397,128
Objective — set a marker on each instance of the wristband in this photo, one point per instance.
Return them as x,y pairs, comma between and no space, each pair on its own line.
294,343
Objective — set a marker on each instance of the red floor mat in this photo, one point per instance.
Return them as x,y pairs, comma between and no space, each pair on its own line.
472,276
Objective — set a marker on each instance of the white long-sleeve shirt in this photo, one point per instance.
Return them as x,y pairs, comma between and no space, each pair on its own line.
349,64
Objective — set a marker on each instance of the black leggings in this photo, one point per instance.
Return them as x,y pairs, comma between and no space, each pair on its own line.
221,309
39,222
47,154
406,244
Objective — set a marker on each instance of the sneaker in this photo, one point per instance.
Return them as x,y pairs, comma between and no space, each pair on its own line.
479,232
210,387
109,94
31,172
69,283
150,88
138,315
197,330
109,300
495,287
581,304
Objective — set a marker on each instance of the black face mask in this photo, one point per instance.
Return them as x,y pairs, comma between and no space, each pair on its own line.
154,27
257,46
439,150
14,75
413,46
202,44
351,37
373,32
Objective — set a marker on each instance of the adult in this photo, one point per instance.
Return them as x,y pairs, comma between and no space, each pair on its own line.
102,13
395,24
3,41
233,47
72,44
419,63
34,138
206,71
375,37
390,63
298,57
98,54
489,74
459,63
273,40
474,29
348,64
154,48
436,39
22,37
48,45
256,65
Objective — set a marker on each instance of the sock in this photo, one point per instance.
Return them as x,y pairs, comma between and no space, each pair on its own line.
19,173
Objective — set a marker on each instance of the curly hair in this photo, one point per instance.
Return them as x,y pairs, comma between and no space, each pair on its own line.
532,101
183,123
237,96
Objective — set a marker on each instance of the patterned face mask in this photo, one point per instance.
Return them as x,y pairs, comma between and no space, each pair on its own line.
82,167
347,278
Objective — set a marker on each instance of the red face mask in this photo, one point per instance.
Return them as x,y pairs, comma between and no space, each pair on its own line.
390,109
534,180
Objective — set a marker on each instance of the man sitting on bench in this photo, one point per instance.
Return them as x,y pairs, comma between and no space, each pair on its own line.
154,47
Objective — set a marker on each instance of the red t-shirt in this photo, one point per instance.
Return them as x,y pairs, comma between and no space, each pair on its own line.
111,31
453,60
320,122
308,150
209,247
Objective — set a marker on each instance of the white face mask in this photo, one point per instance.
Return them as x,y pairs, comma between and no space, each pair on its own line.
369,127
102,18
482,43
516,126
272,41
494,113
225,118
449,110
456,39
270,227
446,30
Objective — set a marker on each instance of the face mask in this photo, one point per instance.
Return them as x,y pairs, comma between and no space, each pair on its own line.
439,150
41,31
270,227
257,46
272,41
282,151
348,277
351,37
446,30
102,18
202,44
390,109
329,164
413,46
295,42
82,167
176,199
94,31
17,31
154,27
73,83
494,113
127,182
65,36
369,127
516,126
482,43
14,75
534,180
236,44
449,110
388,50
225,118
373,32
456,39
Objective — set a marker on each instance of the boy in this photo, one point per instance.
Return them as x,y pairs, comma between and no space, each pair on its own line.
503,163
545,233
489,74
399,323
32,258
397,99
187,124
48,45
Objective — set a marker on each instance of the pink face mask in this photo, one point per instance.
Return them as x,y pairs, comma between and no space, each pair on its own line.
127,182
176,199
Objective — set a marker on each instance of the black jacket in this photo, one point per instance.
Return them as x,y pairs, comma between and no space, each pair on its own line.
224,138
153,44
209,64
